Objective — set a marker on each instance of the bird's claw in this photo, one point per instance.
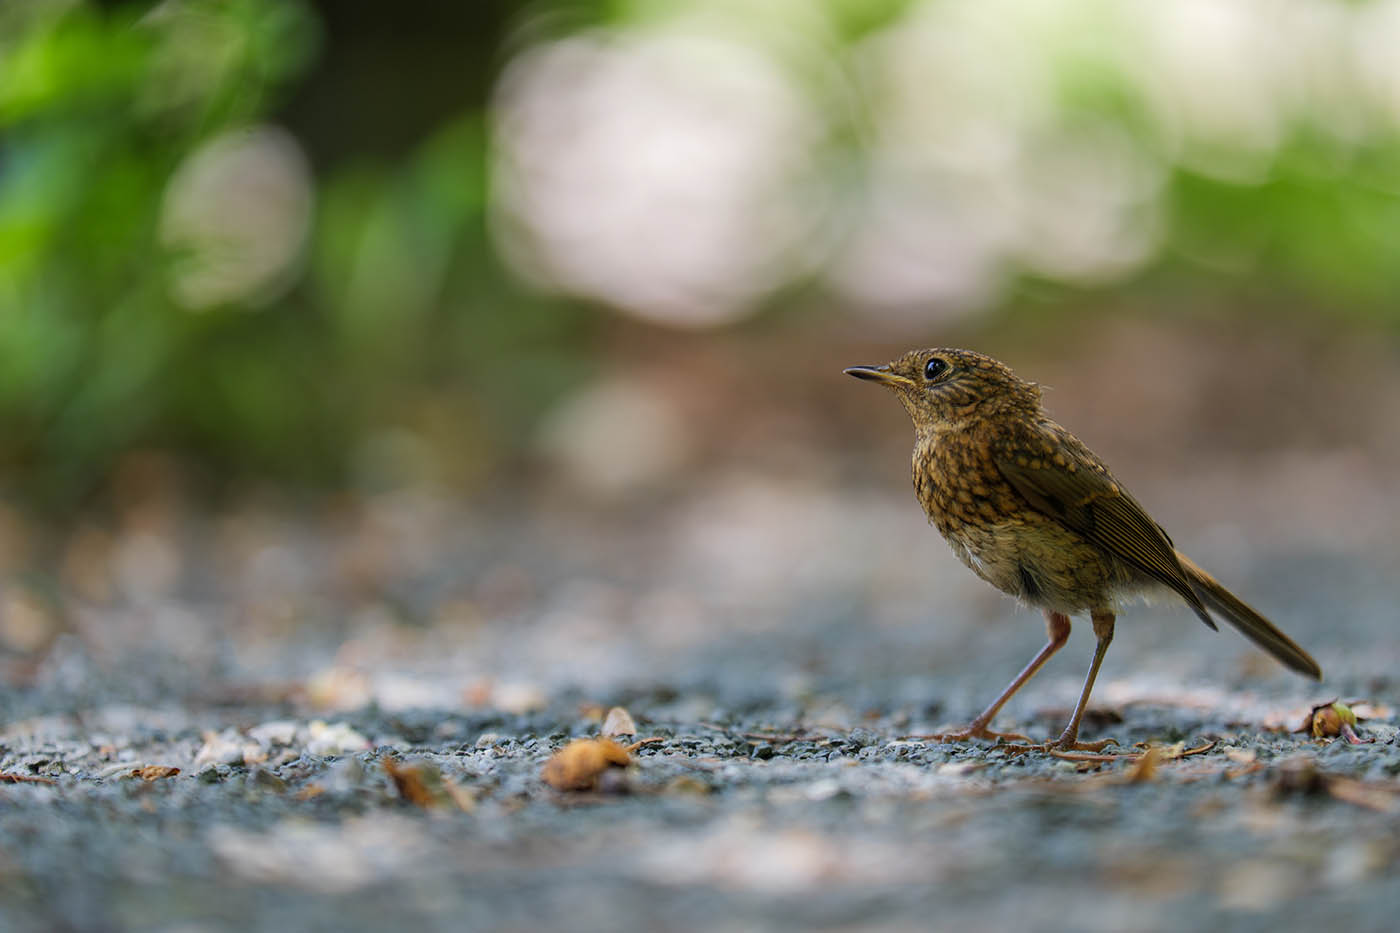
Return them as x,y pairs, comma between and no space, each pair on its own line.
1074,751
1095,747
972,732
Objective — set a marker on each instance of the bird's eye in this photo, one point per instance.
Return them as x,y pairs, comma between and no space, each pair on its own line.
935,368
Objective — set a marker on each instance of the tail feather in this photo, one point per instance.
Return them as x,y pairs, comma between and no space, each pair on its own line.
1250,623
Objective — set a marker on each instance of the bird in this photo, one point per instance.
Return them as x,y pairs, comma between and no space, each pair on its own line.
1034,512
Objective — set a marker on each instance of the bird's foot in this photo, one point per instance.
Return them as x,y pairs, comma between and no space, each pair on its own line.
1077,746
1074,751
973,731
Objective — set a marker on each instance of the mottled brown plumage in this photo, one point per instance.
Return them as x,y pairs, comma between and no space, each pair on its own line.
1035,513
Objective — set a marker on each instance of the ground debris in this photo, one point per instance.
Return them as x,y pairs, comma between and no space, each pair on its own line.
150,773
688,784
778,738
1157,753
1178,750
1247,760
619,722
226,747
423,784
1383,798
578,765
336,738
1145,768
1301,775
1331,719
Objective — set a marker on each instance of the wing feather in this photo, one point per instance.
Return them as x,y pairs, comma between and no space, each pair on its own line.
1089,501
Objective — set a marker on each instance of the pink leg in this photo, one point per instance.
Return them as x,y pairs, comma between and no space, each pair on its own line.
1069,739
1056,633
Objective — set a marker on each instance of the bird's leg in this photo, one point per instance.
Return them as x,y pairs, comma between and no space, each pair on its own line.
1056,634
1069,739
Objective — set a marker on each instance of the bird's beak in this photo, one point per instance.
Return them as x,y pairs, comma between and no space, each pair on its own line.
881,374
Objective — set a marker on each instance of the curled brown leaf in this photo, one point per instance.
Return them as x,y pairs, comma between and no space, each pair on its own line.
153,772
423,784
578,765
412,782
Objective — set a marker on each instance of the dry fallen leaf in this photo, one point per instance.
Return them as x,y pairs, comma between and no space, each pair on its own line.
414,782
423,784
1159,753
619,722
154,772
1380,798
1145,768
1301,775
1179,750
9,777
578,765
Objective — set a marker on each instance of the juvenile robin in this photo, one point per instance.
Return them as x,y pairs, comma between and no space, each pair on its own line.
1035,513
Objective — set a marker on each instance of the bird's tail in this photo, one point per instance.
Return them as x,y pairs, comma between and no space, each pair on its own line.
1250,623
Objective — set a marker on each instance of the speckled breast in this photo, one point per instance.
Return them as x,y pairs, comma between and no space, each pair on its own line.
1005,540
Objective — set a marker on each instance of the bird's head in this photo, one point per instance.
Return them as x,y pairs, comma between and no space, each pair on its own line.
946,389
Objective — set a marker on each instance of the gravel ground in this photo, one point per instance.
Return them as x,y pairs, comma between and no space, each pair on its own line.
753,822
787,790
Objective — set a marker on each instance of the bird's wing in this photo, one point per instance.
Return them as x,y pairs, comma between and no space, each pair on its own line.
1087,500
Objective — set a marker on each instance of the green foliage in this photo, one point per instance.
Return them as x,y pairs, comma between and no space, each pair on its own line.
99,110
1323,227
394,317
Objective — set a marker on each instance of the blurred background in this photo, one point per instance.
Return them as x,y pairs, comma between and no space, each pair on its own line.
507,337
